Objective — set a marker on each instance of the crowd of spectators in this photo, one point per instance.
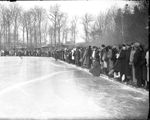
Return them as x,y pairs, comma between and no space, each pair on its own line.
23,52
127,63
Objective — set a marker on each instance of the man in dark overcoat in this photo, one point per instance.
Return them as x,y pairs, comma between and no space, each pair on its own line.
122,62
137,63
89,57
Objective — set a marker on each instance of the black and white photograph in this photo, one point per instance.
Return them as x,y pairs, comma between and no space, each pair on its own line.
74,60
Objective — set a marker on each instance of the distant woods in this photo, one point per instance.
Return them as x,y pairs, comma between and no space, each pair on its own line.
37,27
117,26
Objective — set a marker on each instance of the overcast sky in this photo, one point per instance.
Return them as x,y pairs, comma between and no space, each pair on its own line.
76,7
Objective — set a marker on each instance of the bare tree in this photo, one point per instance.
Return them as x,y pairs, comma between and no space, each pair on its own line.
40,17
7,22
44,32
98,28
23,25
53,16
65,34
86,21
51,35
109,28
74,29
16,14
3,25
100,24
58,20
26,23
28,27
61,24
34,28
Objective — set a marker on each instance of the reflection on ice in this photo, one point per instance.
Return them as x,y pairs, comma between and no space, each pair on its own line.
35,87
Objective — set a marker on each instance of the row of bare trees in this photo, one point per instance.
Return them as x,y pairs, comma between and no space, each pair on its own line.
36,27
21,28
31,28
57,26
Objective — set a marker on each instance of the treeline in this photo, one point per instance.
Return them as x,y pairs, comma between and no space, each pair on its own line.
36,27
126,25
21,28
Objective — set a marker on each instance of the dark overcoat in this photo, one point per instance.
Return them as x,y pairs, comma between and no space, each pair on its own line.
137,64
121,62
96,69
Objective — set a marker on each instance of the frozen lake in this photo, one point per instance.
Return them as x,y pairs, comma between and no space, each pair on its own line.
41,88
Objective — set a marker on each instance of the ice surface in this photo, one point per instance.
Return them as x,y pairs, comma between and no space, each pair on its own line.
36,87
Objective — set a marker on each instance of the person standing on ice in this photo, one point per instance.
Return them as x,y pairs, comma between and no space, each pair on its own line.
137,63
96,68
123,63
87,58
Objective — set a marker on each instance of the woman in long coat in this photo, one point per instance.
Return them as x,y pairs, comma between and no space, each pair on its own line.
96,68
81,50
77,57
56,54
85,58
